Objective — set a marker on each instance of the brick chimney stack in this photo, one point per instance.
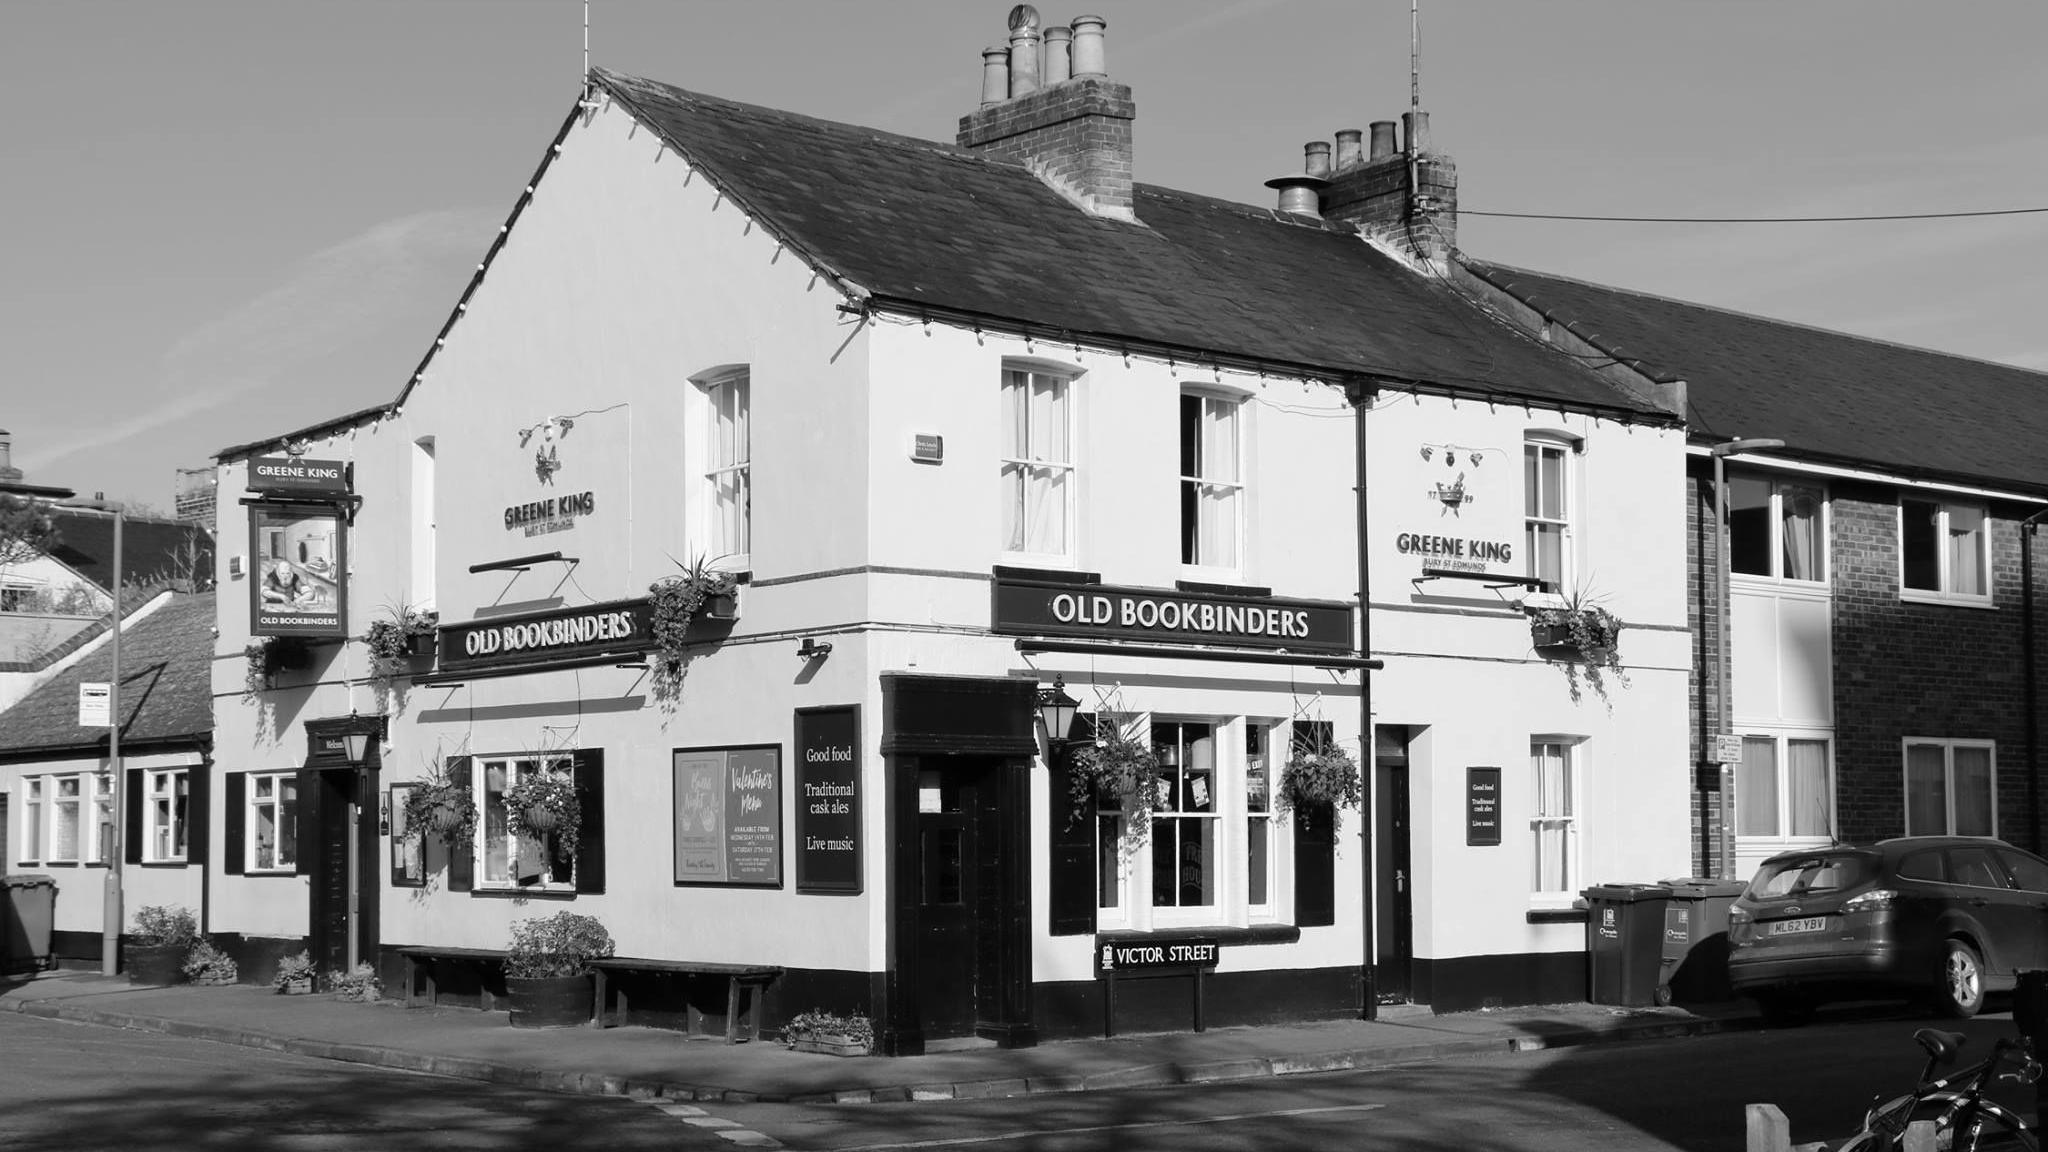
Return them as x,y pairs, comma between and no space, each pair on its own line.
1408,198
1049,104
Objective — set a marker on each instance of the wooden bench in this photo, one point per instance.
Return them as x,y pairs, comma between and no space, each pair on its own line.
751,978
419,958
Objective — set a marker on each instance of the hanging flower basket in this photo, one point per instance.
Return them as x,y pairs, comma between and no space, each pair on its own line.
540,819
441,804
699,591
546,803
1318,777
1120,769
1583,638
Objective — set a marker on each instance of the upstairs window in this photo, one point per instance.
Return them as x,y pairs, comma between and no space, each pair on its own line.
1211,481
1037,464
424,525
728,475
1944,551
1777,529
1546,512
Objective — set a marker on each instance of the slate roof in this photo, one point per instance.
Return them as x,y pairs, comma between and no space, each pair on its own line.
1830,396
921,224
151,549
166,687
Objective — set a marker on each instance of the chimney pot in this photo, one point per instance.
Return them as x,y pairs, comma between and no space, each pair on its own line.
1349,150
1415,126
1317,153
1023,61
995,75
1382,139
1087,52
1059,42
1300,194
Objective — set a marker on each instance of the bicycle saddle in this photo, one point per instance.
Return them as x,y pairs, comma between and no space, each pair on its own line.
1942,1046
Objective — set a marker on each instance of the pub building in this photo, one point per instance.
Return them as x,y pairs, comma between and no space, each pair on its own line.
974,431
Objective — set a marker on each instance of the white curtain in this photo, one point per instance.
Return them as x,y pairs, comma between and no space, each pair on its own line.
1038,472
1806,787
1756,788
1801,526
1973,792
1926,790
1966,551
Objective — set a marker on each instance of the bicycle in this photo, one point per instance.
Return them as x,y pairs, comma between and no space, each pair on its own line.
1965,1120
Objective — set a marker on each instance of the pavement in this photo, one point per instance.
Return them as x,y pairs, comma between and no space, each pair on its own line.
657,1064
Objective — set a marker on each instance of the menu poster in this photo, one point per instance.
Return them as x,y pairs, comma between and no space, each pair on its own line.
728,816
828,799
1482,807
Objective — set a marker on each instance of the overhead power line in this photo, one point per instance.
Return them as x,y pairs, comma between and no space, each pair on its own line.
1462,211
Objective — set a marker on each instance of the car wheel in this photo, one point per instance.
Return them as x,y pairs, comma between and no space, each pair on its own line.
1959,992
1783,1009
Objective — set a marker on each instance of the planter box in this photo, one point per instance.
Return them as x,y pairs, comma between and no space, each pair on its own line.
422,643
303,986
549,1001
156,963
724,606
830,1046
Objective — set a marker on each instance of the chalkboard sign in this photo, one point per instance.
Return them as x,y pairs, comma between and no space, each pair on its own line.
728,816
1482,807
828,799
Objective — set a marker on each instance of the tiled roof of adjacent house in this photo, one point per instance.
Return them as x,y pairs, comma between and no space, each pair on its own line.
917,223
166,686
1830,396
153,551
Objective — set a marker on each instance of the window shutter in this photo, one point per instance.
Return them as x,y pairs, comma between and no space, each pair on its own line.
308,821
1315,867
1070,879
131,817
197,779
234,815
461,860
590,839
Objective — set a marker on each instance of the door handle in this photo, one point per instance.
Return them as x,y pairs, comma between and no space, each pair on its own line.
1978,901
1400,880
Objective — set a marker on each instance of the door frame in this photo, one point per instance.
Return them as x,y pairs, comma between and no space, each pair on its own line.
348,791
1393,839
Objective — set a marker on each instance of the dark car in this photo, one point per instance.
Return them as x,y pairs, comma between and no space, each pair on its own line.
1941,918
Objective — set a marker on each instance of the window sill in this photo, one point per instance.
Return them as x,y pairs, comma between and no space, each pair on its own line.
166,863
1574,914
502,892
1247,591
1222,934
1922,596
289,870
1024,570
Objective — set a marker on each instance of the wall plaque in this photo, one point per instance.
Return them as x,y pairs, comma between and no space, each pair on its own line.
828,799
1482,807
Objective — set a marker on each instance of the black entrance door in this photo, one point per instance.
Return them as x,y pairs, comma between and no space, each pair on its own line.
1393,898
956,910
336,867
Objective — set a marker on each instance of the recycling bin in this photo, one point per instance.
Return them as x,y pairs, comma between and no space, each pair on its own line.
1624,942
26,916
1694,961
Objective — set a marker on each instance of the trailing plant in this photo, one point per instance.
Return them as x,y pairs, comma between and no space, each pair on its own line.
269,655
677,600
441,804
1591,632
1319,773
818,1024
390,638
546,803
292,969
360,983
160,924
1121,764
560,945
206,964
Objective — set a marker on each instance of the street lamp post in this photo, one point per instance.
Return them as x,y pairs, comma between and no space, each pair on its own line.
1724,666
110,911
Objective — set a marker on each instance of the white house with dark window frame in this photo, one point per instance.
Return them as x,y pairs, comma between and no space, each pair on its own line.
963,427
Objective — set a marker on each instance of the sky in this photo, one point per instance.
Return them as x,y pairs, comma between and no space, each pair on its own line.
223,220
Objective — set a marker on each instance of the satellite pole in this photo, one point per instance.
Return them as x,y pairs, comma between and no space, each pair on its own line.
1414,55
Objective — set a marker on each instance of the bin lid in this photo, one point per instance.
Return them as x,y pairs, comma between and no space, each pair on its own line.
27,880
1704,887
1626,893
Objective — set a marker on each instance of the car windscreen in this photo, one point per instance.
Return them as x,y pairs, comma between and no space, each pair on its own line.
1799,876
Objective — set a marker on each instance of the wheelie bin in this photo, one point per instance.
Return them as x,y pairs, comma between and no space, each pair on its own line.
1694,963
1624,933
26,916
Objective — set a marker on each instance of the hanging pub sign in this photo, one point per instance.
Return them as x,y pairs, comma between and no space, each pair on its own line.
298,584
1482,807
828,799
618,627
1159,615
297,476
728,816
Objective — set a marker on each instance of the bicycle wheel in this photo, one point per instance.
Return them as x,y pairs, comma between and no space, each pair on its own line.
1960,1126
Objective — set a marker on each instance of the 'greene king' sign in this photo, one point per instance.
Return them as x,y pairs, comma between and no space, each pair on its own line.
1158,615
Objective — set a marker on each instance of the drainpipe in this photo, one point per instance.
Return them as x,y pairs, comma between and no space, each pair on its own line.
1360,394
2028,698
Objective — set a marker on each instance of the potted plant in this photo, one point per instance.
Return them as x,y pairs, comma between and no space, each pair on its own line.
698,591
269,655
547,969
294,974
1319,774
441,804
360,983
545,803
206,964
822,1031
163,935
1583,636
1119,763
402,633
